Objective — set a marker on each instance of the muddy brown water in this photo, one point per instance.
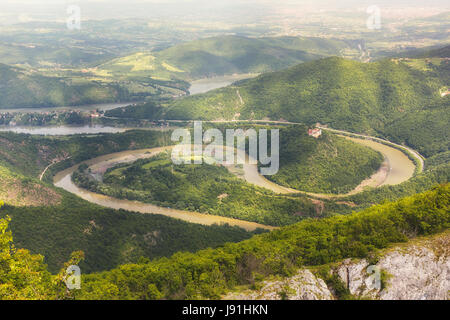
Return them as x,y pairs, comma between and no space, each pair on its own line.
398,167
63,180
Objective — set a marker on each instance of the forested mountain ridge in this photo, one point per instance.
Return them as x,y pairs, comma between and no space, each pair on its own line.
443,52
210,273
26,88
370,98
226,55
343,93
213,272
30,88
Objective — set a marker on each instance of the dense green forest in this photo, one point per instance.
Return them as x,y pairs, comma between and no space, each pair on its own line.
365,84
329,164
29,88
313,242
81,77
367,98
16,150
226,55
210,273
343,93
421,182
108,237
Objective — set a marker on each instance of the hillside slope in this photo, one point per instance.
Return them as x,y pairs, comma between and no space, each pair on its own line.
211,273
417,270
341,93
328,164
25,88
54,223
18,190
21,88
224,55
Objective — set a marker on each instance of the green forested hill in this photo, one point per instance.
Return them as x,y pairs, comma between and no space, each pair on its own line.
26,88
329,164
209,273
201,188
443,52
212,272
342,93
225,55
233,54
426,130
45,55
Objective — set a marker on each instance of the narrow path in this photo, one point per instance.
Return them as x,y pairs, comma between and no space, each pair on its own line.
50,165
240,97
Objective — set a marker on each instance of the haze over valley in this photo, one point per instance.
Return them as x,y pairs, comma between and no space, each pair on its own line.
224,149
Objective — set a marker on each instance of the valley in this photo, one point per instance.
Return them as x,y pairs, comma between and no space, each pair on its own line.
208,84
400,170
347,105
64,180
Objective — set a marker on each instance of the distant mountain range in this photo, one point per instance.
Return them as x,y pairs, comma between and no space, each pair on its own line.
153,74
25,88
225,55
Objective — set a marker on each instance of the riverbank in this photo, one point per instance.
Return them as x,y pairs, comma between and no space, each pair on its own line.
63,180
399,169
208,84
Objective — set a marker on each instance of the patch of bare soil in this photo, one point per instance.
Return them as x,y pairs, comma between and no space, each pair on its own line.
15,192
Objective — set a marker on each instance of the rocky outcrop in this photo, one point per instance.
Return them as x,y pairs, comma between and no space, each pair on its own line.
418,270
303,286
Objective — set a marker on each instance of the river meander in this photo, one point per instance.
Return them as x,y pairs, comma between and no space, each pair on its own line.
397,169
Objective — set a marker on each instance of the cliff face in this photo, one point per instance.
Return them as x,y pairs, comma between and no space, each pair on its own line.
418,270
303,286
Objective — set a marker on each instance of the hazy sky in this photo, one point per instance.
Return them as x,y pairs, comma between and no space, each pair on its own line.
26,10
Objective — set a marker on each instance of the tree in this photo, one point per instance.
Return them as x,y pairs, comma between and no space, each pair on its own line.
24,276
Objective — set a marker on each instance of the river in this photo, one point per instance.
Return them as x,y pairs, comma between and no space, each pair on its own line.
63,130
198,86
63,180
400,169
208,84
90,107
